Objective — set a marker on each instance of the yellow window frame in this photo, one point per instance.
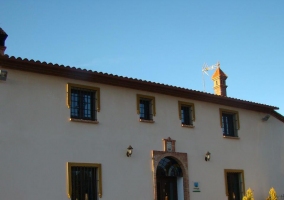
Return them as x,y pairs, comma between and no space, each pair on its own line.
191,105
232,112
95,165
239,171
151,98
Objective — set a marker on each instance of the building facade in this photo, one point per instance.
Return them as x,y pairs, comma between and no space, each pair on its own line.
67,133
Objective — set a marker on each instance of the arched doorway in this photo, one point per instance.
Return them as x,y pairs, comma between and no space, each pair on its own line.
168,173
180,173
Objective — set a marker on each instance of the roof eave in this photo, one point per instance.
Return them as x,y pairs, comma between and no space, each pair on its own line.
109,79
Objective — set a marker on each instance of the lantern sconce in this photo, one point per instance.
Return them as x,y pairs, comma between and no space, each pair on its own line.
129,151
207,156
265,118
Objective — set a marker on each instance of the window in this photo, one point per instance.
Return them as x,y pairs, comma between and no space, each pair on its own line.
84,181
235,186
83,102
146,107
229,122
186,113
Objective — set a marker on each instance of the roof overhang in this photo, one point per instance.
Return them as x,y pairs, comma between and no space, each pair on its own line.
109,79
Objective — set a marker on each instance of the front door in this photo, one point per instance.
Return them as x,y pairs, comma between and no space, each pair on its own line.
167,188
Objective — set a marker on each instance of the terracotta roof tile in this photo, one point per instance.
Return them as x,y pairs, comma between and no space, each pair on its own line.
218,73
138,84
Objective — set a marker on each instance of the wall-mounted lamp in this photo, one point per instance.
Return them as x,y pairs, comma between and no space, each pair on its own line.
207,156
129,151
265,118
3,75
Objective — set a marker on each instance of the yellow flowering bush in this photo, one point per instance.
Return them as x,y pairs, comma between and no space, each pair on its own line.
249,195
272,194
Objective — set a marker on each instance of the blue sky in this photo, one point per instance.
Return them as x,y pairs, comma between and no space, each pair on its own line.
160,40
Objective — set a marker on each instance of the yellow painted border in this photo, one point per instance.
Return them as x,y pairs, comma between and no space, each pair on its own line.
240,171
152,98
70,85
180,103
221,110
96,165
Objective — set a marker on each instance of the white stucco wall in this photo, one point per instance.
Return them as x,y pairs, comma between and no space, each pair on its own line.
37,139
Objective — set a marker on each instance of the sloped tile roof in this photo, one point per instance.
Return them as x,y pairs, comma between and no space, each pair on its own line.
120,81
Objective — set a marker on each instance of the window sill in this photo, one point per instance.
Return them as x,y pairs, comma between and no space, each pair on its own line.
187,126
146,121
231,137
84,121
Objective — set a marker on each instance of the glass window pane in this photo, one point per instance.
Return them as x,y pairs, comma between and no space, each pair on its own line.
83,104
